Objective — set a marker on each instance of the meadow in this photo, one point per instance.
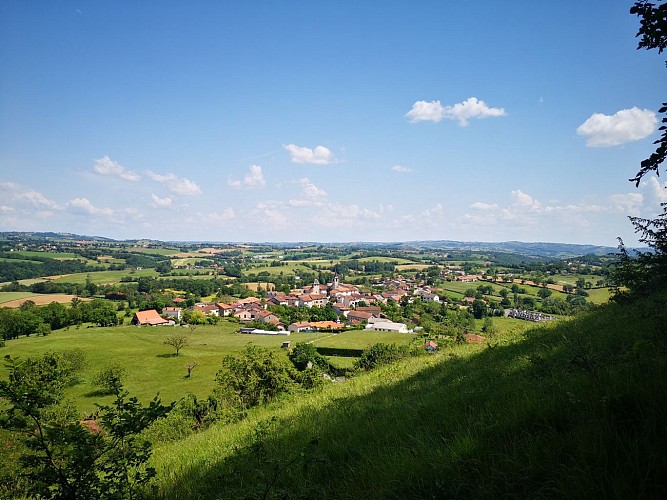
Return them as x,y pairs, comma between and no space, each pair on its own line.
151,366
104,277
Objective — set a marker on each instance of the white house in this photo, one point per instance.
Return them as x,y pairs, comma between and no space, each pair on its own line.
387,326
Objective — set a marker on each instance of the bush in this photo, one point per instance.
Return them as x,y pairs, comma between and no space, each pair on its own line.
380,354
110,379
304,353
255,377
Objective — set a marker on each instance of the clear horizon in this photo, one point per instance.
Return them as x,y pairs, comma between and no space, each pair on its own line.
327,121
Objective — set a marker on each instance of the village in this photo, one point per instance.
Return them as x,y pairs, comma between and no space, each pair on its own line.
353,307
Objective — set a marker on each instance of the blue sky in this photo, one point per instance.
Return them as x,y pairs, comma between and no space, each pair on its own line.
327,121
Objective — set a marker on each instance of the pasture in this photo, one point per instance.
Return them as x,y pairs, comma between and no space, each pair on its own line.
151,366
104,277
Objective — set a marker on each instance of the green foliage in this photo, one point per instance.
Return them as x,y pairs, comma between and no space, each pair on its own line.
380,354
573,409
304,353
64,459
178,341
254,377
109,379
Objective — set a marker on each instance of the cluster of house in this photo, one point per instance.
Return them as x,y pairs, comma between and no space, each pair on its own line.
527,315
344,298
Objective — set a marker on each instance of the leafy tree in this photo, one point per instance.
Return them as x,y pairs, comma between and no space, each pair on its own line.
488,327
256,376
653,33
65,459
479,309
642,275
109,379
178,342
194,317
544,292
304,353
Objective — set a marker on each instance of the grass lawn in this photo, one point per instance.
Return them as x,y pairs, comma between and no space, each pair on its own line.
361,339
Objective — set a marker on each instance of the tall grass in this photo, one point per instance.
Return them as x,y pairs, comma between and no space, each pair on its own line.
570,409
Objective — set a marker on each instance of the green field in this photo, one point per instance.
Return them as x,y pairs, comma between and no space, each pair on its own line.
361,339
150,366
50,255
99,277
7,259
155,251
9,296
291,267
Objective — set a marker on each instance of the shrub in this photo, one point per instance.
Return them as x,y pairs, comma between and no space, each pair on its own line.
304,353
380,354
254,377
109,379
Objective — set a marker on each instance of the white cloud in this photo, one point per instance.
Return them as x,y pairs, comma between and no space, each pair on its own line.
221,217
658,189
270,216
525,201
7,209
178,185
253,179
158,202
426,111
463,111
401,169
84,207
107,166
317,156
626,125
480,205
11,191
629,203
311,194
436,211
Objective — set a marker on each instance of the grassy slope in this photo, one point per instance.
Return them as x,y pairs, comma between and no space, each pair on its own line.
570,409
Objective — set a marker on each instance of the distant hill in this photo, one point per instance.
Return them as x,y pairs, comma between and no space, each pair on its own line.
537,249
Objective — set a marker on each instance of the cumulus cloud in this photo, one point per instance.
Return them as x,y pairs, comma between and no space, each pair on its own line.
629,203
178,185
316,156
657,189
253,179
107,166
158,202
627,125
83,206
463,111
311,195
401,169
